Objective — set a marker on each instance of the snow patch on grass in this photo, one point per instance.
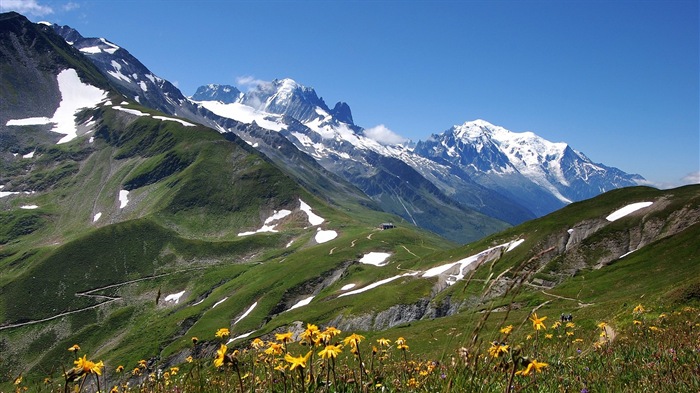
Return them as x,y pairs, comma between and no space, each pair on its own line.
123,198
245,314
314,219
629,209
302,303
175,297
325,236
375,258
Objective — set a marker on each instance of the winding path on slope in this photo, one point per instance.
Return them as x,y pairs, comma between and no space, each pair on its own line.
109,299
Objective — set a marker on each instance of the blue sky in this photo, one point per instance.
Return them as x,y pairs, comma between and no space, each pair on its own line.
617,80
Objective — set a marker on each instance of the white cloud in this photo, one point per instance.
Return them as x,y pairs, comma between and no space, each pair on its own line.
70,6
249,82
26,7
691,178
384,135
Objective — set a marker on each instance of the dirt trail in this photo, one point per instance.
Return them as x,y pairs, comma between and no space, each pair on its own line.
109,299
409,251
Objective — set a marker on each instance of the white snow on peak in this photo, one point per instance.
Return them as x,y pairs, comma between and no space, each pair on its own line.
245,114
91,50
347,286
325,236
123,198
534,157
617,214
75,95
45,23
30,121
134,112
29,155
375,258
314,219
245,314
175,297
166,118
29,207
111,47
97,217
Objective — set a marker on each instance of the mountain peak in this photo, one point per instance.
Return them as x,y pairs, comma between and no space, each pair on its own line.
212,92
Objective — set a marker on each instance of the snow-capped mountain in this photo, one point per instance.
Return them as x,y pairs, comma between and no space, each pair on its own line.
499,158
211,92
464,183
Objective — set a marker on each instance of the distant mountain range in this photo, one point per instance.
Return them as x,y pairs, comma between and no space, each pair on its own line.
464,183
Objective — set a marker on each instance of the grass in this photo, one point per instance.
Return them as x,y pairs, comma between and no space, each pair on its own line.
656,351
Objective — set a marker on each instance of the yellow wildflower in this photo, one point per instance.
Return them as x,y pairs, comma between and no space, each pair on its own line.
507,329
220,356
74,348
330,351
119,368
353,340
189,359
556,325
533,365
88,366
274,349
332,331
174,370
537,323
497,349
309,335
570,325
223,332
548,336
384,342
602,325
194,340
636,322
257,343
297,362
639,309
568,334
142,363
401,344
18,380
284,337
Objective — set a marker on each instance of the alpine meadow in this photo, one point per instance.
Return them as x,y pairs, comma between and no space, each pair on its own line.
261,241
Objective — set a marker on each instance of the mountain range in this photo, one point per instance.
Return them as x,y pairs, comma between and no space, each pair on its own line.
133,218
466,182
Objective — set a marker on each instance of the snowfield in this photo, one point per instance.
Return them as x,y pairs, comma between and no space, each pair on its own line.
175,297
75,95
123,198
375,258
463,264
325,236
314,219
302,303
629,209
